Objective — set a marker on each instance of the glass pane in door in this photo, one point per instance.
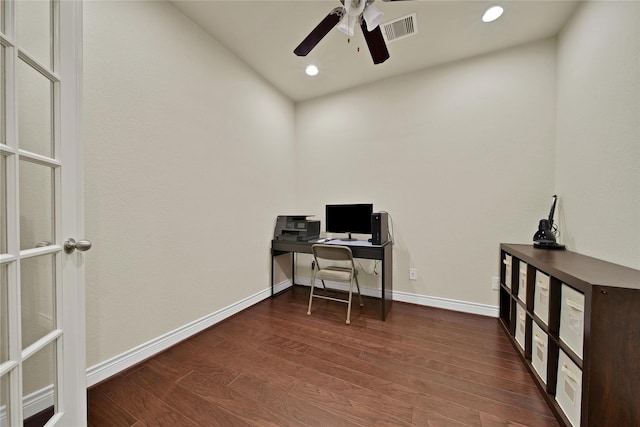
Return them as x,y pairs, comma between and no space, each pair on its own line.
37,293
34,29
39,381
3,138
35,110
3,204
4,397
36,205
4,314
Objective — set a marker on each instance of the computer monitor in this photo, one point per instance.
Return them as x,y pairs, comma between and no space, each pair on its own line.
353,218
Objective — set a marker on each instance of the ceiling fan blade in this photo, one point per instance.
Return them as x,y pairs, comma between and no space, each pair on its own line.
318,33
376,44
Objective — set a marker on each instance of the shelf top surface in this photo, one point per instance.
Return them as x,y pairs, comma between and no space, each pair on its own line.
590,270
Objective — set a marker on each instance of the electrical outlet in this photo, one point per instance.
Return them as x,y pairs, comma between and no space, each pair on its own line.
495,283
413,274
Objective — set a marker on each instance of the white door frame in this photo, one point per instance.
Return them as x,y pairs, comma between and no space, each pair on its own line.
68,334
72,182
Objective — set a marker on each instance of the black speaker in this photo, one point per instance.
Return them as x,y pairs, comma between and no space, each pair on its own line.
379,228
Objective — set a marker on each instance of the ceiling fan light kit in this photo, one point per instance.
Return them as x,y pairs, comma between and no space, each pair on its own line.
348,24
372,16
346,18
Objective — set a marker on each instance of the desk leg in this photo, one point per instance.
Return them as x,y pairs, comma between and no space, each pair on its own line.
281,269
387,281
273,260
293,270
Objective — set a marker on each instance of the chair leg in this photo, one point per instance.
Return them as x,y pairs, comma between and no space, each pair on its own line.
313,280
349,303
359,293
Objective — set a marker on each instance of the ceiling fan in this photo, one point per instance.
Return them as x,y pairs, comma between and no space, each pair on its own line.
353,12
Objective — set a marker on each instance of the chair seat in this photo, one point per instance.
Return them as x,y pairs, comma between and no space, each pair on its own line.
337,274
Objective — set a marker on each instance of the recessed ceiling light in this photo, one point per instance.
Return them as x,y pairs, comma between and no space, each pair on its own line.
311,70
492,14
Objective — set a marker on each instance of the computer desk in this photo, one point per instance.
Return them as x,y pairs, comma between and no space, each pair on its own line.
360,249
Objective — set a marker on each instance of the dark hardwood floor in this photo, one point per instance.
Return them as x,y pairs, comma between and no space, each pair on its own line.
274,365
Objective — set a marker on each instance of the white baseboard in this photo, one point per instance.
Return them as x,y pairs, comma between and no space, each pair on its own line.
108,368
113,366
449,304
281,286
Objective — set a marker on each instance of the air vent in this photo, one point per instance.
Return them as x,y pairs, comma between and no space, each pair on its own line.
400,28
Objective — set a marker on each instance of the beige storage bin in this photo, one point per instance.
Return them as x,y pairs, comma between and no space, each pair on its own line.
569,388
572,319
521,325
539,351
507,270
541,297
522,289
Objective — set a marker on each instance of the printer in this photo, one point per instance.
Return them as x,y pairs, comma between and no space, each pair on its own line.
296,228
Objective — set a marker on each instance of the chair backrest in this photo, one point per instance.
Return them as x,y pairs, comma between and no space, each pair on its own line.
332,252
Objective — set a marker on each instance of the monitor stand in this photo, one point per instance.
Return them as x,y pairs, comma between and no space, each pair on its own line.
349,239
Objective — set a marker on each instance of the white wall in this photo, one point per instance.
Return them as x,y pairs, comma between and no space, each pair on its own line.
189,159
461,156
598,133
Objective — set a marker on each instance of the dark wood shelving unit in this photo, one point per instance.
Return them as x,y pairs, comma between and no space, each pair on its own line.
607,383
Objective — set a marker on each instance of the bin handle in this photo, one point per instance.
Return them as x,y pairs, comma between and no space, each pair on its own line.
543,286
574,305
569,374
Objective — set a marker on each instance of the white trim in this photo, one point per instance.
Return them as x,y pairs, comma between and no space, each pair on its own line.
281,286
424,300
113,366
108,368
448,304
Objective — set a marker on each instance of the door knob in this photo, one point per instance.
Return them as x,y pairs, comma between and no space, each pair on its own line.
71,245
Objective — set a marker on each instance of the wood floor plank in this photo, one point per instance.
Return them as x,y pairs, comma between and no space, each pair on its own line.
273,365
353,384
473,381
348,345
103,412
244,408
459,396
472,348
430,419
142,404
315,378
288,404
337,395
183,400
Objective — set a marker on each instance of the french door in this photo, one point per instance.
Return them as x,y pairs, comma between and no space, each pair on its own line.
42,343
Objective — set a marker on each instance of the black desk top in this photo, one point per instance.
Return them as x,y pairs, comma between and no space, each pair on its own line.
360,248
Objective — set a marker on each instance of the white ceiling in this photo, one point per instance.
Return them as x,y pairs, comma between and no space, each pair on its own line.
263,34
